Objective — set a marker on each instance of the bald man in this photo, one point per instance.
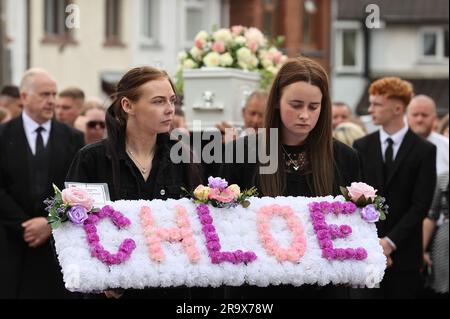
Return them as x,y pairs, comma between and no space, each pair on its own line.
35,151
421,118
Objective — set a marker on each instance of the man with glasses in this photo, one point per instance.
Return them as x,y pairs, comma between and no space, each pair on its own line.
95,125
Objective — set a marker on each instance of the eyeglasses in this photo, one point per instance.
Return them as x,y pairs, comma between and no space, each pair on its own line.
93,124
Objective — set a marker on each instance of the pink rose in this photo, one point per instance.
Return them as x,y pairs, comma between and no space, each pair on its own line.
356,190
252,45
77,196
199,44
218,47
237,29
226,196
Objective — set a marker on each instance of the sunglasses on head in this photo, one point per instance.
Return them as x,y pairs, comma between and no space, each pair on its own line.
93,124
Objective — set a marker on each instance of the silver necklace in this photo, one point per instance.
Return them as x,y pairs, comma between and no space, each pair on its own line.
139,165
295,164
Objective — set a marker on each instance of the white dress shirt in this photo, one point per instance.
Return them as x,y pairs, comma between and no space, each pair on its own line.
441,143
396,137
30,127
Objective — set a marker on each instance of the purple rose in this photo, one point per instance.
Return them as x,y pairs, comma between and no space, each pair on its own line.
370,214
217,182
77,214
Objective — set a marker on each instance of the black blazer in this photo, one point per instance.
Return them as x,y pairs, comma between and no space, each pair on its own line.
408,192
29,268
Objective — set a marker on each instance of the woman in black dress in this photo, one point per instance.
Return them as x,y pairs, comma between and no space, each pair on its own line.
310,162
135,158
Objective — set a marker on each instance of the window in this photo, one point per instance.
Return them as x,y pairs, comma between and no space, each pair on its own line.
149,22
349,48
194,18
446,43
197,15
55,19
433,43
270,14
349,51
113,22
310,24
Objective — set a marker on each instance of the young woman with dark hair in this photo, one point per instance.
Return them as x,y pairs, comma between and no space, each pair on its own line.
310,162
134,160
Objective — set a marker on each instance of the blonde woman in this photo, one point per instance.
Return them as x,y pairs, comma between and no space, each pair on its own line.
348,132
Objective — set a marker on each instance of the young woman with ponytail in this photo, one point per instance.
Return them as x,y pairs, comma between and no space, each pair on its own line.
134,160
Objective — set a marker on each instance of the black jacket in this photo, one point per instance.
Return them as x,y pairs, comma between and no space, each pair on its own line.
246,175
93,164
408,192
30,272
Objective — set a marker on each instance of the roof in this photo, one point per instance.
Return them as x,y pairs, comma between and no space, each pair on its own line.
398,11
437,89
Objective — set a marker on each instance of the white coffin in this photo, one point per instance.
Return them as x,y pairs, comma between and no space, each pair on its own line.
213,95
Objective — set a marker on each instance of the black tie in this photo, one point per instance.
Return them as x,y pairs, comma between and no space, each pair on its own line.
388,157
39,142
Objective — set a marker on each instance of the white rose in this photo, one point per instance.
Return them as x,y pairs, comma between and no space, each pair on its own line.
226,59
243,65
272,70
254,61
182,56
223,35
266,63
244,54
212,59
240,40
196,53
189,64
202,36
255,35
